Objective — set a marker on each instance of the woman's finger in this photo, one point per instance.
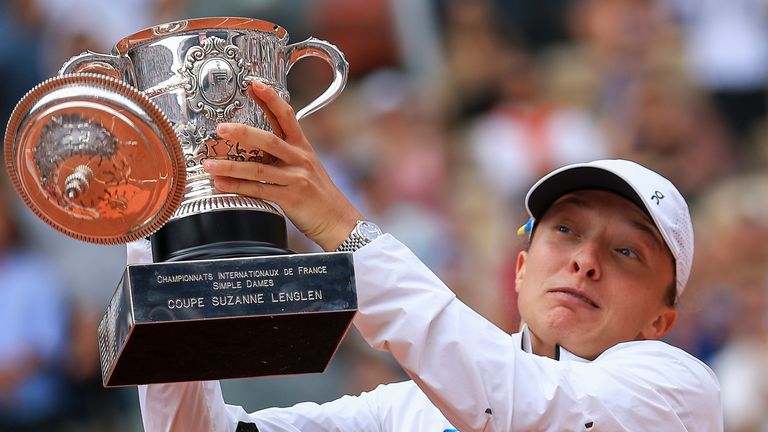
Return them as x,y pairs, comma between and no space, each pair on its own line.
265,191
254,171
271,119
281,111
254,138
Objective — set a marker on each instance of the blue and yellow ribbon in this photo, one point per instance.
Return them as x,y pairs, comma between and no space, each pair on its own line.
525,229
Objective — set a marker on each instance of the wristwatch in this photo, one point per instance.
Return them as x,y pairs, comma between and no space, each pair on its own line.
363,233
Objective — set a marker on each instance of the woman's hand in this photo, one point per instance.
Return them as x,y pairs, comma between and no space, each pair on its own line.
296,181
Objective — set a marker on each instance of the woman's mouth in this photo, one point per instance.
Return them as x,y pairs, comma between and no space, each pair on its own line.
577,295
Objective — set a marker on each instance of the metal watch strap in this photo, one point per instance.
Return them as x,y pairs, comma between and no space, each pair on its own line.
355,240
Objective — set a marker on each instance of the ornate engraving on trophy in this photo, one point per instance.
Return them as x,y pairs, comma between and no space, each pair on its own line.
193,140
69,135
198,144
86,170
237,153
216,81
69,143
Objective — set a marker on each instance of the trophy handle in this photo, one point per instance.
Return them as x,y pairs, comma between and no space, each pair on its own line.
328,52
93,62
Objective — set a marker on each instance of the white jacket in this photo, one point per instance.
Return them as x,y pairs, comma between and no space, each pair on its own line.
467,373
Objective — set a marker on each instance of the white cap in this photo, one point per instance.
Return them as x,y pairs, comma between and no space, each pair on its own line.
654,194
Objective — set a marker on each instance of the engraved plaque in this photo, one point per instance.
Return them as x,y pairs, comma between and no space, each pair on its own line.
217,82
227,318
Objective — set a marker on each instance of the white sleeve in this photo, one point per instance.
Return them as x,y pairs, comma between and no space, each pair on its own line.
199,407
191,406
481,379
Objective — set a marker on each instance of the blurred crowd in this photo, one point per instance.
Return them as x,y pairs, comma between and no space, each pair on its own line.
453,109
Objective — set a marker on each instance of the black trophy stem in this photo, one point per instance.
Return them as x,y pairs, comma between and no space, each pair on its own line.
220,234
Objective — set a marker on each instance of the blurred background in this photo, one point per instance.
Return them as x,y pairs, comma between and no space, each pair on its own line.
453,109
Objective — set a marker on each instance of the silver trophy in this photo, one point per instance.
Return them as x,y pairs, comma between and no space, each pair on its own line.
111,151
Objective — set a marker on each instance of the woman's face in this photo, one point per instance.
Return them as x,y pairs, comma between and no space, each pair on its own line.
596,275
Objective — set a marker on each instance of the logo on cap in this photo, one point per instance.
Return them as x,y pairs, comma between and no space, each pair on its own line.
658,196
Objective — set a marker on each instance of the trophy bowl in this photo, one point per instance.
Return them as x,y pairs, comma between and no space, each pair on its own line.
111,151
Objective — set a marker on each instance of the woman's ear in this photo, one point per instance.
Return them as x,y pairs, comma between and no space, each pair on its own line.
662,325
520,269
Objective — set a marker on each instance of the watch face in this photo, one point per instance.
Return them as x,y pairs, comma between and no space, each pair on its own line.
369,230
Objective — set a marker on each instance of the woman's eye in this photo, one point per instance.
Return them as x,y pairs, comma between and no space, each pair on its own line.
627,252
564,229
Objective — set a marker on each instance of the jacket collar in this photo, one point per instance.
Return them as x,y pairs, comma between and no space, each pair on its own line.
561,354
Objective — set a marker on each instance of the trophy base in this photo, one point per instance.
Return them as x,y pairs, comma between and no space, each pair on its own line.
227,318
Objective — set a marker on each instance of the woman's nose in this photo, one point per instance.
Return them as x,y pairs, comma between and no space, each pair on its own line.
586,261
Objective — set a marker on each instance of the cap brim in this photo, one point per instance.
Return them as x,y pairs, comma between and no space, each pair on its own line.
575,178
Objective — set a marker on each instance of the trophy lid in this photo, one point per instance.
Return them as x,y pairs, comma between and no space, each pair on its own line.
94,158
